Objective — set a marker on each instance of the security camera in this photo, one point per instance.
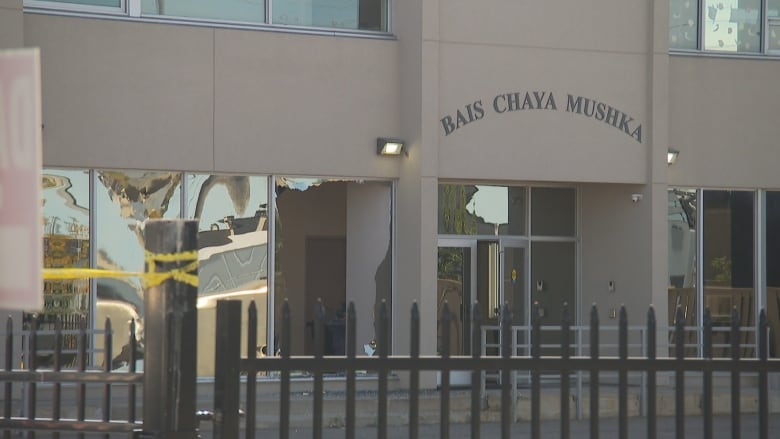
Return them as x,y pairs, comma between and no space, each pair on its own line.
636,198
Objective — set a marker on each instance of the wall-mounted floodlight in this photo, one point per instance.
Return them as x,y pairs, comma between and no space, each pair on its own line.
671,156
387,146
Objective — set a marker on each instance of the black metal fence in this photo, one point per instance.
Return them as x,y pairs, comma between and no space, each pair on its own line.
24,386
86,399
230,367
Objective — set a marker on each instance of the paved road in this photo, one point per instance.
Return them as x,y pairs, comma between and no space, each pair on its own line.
551,429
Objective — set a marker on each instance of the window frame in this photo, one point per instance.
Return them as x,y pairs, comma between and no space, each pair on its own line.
765,23
130,10
78,7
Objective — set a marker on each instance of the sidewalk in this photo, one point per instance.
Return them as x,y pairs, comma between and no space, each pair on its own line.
608,428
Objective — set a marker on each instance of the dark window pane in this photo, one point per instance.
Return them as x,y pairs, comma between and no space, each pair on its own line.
553,211
728,260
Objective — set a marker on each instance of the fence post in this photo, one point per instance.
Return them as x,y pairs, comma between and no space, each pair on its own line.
651,354
594,372
227,369
171,328
508,385
536,353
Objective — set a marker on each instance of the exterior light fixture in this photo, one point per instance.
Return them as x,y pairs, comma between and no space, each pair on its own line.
387,146
671,156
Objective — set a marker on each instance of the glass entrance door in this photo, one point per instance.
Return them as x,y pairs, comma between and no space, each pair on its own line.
490,271
455,284
514,279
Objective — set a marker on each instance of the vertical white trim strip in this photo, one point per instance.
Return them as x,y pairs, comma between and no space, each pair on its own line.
271,268
699,268
760,259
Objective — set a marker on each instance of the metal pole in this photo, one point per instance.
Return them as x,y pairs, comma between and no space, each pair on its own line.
171,327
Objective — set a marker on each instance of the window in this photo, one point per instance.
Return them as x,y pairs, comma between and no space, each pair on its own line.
94,218
482,210
66,229
723,247
252,11
96,6
232,214
728,26
368,15
333,242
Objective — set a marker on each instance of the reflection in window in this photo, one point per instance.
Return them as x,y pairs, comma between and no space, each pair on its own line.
772,242
728,259
123,200
732,25
342,14
230,10
369,15
108,3
65,245
333,242
453,288
683,16
481,210
232,252
682,257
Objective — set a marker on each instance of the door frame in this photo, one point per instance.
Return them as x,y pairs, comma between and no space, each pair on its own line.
471,241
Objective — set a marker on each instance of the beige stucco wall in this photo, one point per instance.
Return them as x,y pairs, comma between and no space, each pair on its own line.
368,238
11,24
722,119
117,93
497,47
11,37
614,247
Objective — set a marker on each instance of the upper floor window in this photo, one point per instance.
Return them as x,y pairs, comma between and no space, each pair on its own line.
729,26
369,15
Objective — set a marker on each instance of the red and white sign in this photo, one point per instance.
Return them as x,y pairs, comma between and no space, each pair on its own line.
21,245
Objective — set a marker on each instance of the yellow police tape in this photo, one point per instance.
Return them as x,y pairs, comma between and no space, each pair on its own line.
150,279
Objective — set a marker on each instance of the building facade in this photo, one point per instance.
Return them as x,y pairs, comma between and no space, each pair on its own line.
536,168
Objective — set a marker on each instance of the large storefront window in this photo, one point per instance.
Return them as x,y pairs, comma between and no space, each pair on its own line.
333,242
232,213
123,200
726,257
66,228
